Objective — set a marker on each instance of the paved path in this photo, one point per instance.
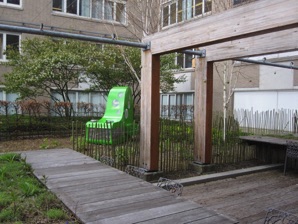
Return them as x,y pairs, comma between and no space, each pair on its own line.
97,193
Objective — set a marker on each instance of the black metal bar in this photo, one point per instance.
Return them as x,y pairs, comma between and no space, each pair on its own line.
267,63
201,53
52,33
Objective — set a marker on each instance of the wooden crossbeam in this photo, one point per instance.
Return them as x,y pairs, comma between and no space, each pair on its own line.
249,20
269,43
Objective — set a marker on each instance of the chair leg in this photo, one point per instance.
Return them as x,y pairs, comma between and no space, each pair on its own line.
285,165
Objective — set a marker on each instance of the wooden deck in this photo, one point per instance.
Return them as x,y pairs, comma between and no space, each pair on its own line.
97,193
247,198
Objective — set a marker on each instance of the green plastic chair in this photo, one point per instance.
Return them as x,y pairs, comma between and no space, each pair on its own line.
117,123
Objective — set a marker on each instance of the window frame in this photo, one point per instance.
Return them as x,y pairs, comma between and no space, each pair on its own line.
4,44
185,62
7,4
185,10
116,16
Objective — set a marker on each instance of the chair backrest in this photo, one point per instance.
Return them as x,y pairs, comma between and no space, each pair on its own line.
119,105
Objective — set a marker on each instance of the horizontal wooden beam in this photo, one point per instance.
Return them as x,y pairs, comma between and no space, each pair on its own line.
277,42
260,17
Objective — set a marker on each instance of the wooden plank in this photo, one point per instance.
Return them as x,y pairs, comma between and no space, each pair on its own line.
108,194
131,209
149,136
213,219
203,110
269,43
253,19
98,183
151,213
66,163
82,181
122,201
73,177
181,217
69,169
114,188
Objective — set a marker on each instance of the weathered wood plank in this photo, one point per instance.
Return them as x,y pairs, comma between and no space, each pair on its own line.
145,215
203,110
95,184
84,181
131,209
181,217
52,171
250,20
112,195
149,136
213,219
112,188
269,43
122,201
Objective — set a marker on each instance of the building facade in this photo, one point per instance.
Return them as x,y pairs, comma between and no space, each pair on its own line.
234,82
102,18
237,85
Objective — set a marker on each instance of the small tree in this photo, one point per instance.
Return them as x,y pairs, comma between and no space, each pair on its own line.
118,65
46,64
52,67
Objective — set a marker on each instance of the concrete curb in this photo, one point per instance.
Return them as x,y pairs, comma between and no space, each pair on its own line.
223,175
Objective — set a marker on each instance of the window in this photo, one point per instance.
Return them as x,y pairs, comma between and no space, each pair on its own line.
177,105
85,103
8,41
11,2
237,2
7,101
109,10
184,60
180,10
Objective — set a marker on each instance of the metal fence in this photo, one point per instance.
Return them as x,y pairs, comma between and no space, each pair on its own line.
25,127
176,145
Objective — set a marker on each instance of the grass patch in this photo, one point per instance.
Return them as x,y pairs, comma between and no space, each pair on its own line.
23,199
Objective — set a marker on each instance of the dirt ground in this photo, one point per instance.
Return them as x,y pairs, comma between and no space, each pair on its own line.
248,198
34,144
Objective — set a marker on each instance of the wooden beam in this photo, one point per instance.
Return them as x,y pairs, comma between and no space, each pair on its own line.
203,110
281,41
149,141
252,19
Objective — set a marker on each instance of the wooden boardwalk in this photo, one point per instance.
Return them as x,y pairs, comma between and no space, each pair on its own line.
97,193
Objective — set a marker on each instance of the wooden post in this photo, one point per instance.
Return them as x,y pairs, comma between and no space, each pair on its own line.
149,139
203,111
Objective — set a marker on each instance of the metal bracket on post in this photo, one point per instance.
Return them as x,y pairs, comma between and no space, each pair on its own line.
148,46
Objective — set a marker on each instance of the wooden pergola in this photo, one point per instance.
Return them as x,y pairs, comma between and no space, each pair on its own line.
258,28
